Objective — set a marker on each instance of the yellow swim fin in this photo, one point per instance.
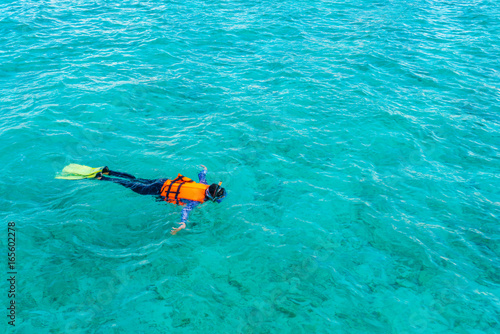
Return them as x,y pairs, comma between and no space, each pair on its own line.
78,172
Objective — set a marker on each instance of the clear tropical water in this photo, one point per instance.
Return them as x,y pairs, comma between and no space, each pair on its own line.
358,140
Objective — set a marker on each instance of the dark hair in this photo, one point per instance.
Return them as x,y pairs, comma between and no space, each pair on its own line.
215,190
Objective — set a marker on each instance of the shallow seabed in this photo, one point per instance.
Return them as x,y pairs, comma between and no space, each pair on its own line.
358,141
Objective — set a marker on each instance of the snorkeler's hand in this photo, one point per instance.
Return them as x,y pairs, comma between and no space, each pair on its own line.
204,167
175,230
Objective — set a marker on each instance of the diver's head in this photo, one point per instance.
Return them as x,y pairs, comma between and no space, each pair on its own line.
215,192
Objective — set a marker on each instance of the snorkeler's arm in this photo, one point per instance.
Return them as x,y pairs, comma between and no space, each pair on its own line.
184,216
203,175
175,230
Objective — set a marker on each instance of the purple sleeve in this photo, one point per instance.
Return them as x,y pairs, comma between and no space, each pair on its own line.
187,209
203,176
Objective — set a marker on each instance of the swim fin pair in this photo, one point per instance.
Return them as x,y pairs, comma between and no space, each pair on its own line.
78,172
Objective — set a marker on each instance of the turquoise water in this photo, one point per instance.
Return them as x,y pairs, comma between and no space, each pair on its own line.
358,141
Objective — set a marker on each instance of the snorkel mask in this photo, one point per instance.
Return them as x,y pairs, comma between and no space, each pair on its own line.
217,195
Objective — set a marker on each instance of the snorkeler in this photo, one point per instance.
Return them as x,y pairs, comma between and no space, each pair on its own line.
181,190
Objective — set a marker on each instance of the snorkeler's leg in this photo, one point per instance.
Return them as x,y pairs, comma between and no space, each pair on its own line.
106,171
138,187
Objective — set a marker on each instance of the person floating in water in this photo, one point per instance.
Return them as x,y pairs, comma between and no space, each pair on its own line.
180,191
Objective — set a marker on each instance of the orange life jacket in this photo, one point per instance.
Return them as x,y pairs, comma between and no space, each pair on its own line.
183,188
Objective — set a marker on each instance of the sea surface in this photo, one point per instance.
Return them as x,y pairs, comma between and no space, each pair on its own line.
358,140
